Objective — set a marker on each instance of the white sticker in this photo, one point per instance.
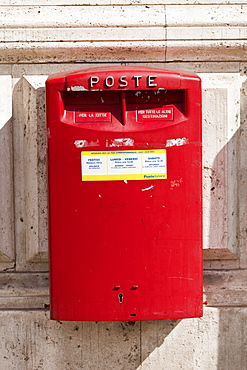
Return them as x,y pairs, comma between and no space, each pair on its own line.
124,165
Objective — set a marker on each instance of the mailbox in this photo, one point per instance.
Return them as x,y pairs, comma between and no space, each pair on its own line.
124,170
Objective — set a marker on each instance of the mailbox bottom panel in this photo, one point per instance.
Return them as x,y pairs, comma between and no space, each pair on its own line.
121,315
165,285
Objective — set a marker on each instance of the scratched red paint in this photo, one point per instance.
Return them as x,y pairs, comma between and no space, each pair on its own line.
132,249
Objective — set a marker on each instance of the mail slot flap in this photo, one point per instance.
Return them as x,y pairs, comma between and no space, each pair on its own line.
143,109
80,98
124,79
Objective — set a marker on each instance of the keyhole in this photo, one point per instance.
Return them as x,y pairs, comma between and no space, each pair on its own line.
120,297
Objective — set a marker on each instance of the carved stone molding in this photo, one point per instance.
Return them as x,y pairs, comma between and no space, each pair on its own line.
7,249
221,130
30,173
145,31
24,290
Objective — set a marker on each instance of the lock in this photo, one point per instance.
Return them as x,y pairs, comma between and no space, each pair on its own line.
120,298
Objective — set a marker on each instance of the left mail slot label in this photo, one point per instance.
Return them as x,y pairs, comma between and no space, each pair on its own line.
123,165
92,116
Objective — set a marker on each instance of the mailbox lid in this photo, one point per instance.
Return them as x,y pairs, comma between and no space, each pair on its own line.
122,78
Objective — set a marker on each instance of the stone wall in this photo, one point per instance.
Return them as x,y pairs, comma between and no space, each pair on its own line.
43,37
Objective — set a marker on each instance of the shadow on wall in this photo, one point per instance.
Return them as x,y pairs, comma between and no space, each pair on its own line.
232,344
220,175
6,175
6,196
108,345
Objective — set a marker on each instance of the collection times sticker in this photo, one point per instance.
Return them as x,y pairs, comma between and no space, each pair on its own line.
124,165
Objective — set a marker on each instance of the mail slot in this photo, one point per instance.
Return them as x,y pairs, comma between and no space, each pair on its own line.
125,189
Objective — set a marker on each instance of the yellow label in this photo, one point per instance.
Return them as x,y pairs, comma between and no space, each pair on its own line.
124,165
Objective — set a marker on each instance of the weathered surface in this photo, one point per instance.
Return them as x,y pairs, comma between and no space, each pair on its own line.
7,248
43,37
35,342
30,173
122,32
225,288
221,125
207,343
24,291
212,342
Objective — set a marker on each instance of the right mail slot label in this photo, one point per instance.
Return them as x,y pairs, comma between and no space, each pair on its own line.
155,114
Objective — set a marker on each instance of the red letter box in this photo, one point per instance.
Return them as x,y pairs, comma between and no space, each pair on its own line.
124,166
